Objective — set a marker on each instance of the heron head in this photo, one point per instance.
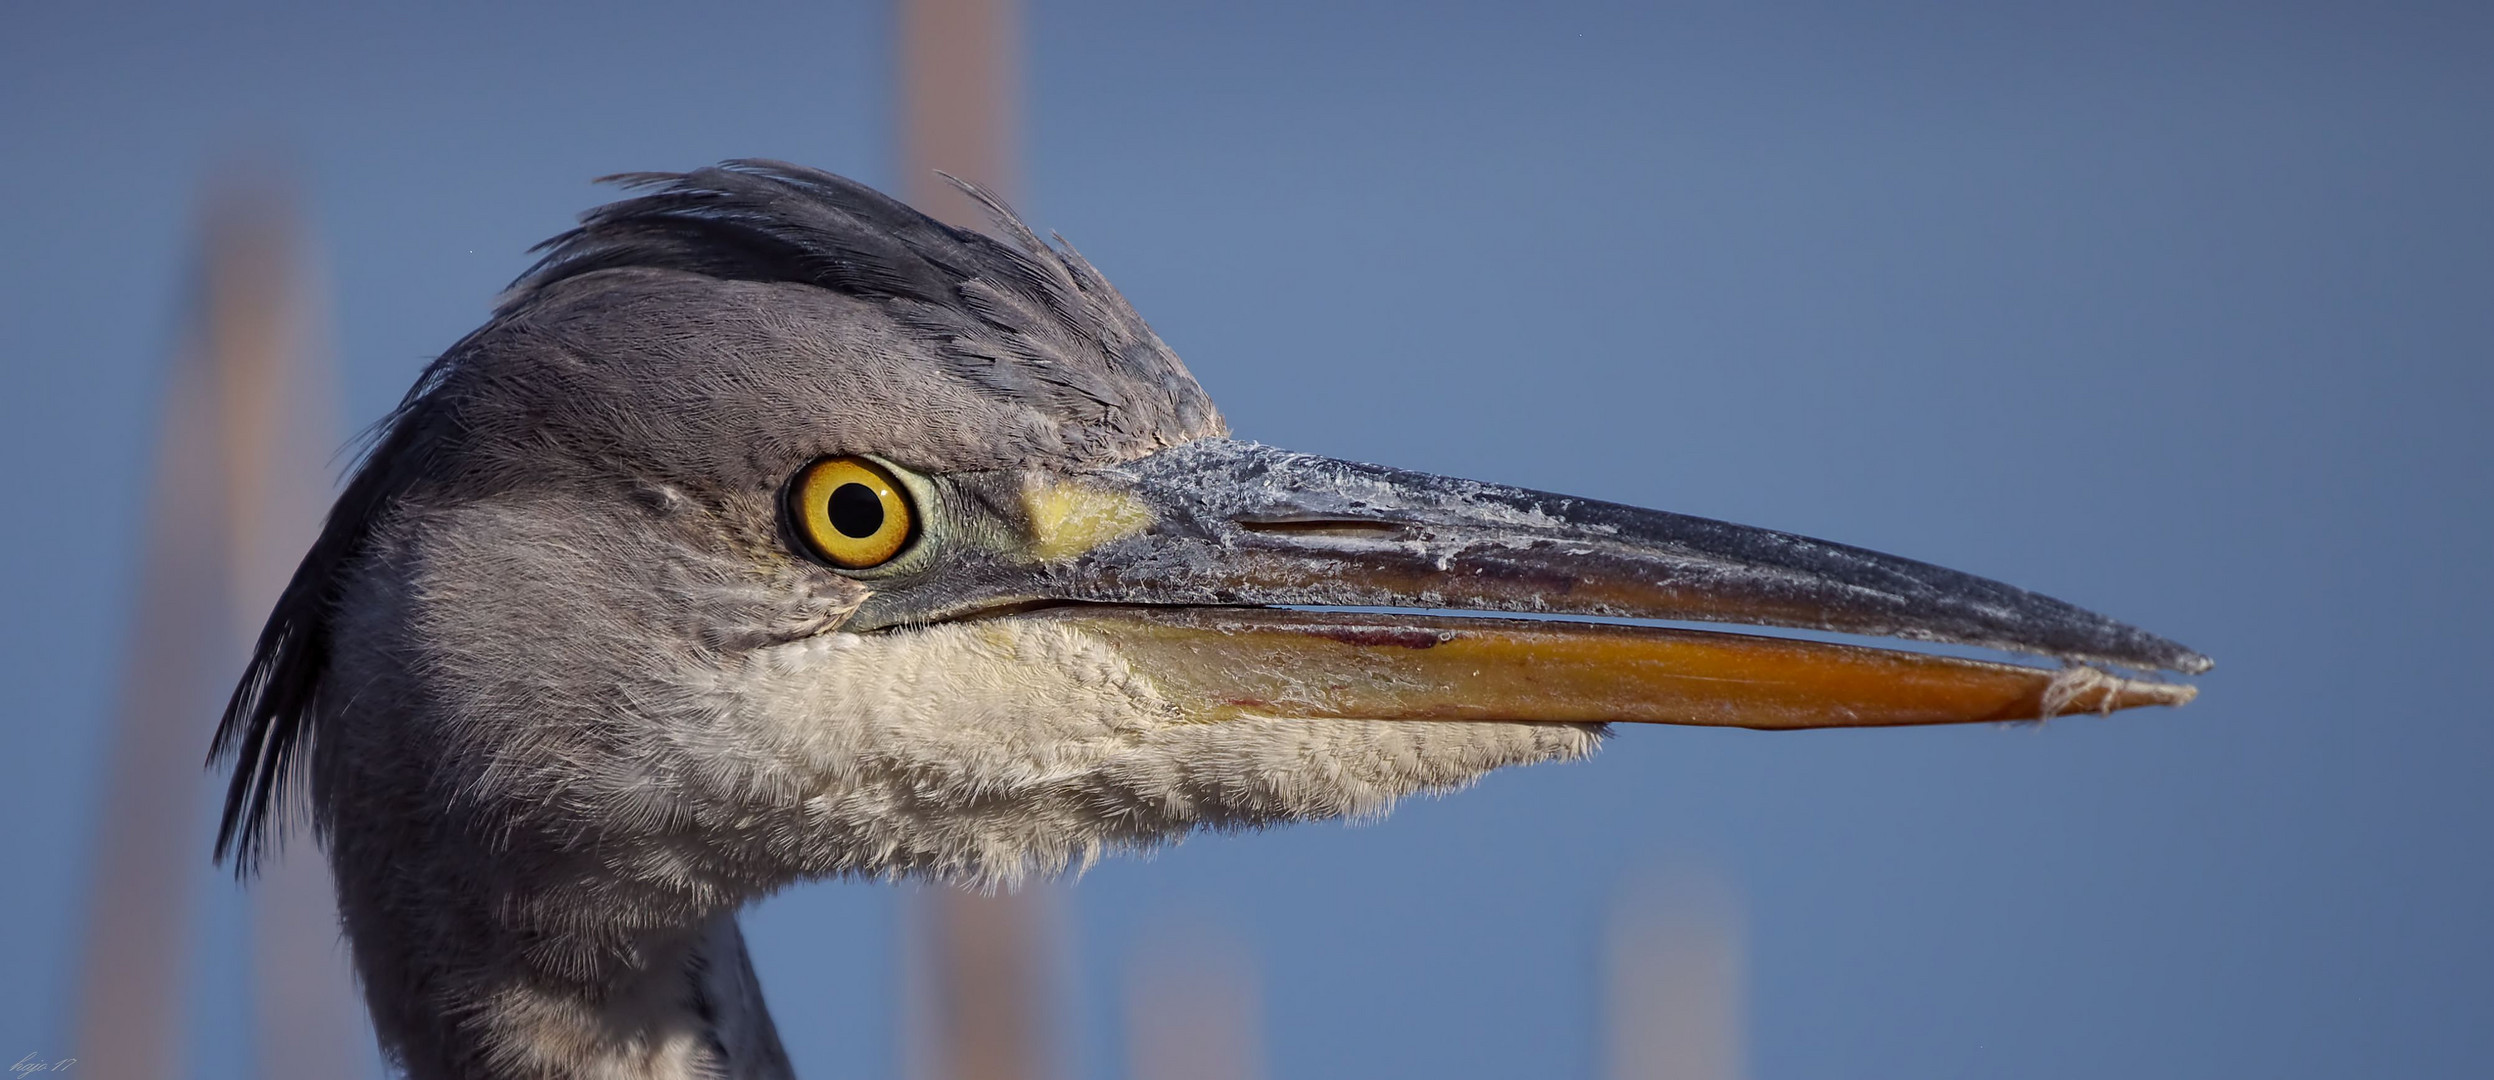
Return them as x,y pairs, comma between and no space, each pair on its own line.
771,529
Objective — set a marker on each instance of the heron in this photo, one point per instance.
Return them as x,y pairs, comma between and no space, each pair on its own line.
770,530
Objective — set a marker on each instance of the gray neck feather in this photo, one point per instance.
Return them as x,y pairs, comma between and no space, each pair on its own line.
691,1010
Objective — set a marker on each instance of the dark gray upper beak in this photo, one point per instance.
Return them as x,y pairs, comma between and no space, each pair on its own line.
1236,523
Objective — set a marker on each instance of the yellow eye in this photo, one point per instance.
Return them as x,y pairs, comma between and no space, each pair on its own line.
851,512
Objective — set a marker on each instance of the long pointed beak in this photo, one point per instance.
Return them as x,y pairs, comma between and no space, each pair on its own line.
1194,546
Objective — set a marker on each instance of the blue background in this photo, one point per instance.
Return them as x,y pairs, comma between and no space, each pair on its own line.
2181,312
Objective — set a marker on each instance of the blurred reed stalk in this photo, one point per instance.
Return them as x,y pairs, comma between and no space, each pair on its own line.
979,971
981,964
1676,971
240,483
1193,1008
960,98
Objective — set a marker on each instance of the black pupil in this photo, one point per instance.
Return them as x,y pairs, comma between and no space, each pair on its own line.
856,511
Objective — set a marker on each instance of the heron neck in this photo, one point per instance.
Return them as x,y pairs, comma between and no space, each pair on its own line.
693,1010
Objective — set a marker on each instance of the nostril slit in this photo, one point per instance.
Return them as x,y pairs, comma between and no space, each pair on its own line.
1324,527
